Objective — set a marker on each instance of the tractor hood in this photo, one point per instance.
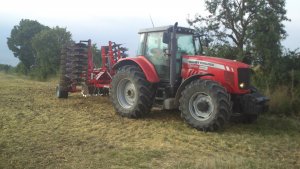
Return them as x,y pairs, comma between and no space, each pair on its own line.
215,62
231,74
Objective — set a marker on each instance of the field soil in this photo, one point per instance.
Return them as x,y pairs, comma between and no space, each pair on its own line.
37,130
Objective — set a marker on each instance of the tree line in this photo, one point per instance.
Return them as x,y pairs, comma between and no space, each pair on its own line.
38,48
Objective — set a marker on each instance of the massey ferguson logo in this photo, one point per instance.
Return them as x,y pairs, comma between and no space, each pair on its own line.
203,64
207,64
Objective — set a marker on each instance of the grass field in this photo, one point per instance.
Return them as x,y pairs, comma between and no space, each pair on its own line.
37,130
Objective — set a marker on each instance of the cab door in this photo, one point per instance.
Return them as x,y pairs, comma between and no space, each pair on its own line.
154,52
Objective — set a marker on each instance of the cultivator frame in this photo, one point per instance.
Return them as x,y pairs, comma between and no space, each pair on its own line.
78,69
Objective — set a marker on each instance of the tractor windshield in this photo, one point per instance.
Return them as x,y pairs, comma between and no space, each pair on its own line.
186,45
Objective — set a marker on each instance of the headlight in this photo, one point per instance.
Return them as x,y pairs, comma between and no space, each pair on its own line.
244,78
242,85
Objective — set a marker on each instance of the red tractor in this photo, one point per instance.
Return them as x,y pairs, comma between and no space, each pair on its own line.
170,72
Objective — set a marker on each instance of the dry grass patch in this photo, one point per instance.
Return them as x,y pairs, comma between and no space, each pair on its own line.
40,131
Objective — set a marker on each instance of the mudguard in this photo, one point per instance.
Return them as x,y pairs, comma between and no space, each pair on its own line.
187,81
146,66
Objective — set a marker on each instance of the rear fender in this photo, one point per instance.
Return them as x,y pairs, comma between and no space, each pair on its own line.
140,61
186,82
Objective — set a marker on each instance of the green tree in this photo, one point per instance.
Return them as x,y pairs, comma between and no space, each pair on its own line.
47,45
20,44
244,25
267,32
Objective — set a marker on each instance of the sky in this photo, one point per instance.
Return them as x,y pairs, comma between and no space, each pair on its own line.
115,20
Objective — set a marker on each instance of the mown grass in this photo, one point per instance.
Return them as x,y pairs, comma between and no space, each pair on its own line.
37,130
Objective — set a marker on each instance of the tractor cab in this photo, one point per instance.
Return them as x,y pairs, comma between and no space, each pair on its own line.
164,48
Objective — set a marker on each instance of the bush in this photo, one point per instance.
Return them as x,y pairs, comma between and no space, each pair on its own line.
21,69
6,68
41,73
284,101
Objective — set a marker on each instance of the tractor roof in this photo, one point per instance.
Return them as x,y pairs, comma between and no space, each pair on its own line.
168,28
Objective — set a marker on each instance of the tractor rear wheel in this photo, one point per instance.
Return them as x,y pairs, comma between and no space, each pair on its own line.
131,94
205,105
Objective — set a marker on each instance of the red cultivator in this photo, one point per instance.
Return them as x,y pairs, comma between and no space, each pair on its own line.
78,69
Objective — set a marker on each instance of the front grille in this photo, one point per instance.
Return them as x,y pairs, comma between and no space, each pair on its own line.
244,77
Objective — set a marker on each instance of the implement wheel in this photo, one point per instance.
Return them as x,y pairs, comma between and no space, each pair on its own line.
60,92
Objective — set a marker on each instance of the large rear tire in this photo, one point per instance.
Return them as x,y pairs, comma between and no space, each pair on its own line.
131,94
205,105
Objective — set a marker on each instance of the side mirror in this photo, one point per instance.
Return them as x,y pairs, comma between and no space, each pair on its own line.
166,37
206,42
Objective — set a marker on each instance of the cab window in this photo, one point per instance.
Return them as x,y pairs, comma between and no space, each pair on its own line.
155,48
185,44
155,53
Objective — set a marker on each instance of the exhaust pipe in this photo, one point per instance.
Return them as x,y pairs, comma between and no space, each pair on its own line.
173,59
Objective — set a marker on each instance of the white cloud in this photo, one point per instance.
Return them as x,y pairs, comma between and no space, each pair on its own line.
74,10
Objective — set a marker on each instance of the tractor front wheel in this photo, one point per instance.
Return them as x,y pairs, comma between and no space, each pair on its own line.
205,105
131,94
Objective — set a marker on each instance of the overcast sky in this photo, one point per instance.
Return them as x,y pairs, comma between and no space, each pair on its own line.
116,20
